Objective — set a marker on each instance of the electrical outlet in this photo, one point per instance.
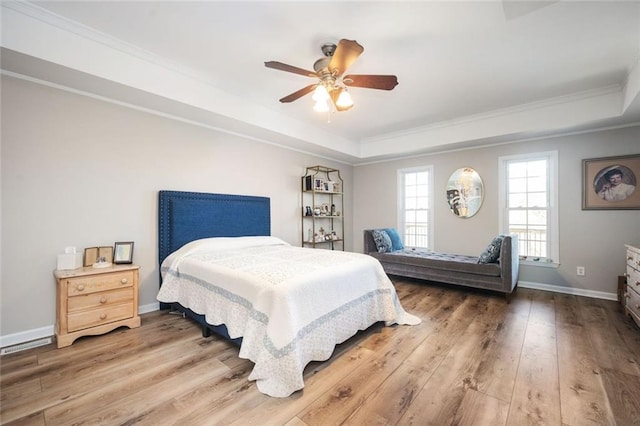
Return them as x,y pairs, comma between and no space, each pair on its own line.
580,271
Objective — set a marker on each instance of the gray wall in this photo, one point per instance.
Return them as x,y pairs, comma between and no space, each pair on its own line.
81,172
594,239
76,171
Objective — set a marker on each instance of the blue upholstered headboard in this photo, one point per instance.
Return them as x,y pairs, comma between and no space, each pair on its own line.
188,216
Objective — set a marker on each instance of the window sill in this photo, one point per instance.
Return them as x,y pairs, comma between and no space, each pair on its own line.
539,263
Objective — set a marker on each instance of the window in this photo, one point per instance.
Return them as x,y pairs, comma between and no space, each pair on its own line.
528,200
415,206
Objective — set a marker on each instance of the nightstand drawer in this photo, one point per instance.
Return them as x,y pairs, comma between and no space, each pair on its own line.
95,317
94,283
96,300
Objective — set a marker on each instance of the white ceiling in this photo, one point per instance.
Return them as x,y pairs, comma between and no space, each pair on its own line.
469,73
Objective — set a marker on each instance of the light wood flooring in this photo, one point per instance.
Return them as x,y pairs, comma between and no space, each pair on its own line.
545,358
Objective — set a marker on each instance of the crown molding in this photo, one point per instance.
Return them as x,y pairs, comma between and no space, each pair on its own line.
502,113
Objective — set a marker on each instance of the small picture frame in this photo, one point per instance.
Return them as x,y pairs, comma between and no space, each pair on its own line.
319,184
92,254
611,183
123,252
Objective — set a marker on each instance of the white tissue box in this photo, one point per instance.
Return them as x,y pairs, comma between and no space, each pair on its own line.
70,261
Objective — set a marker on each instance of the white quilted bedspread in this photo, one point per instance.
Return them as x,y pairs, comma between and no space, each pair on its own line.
290,305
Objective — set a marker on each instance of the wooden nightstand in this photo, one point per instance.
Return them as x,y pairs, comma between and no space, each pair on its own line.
93,301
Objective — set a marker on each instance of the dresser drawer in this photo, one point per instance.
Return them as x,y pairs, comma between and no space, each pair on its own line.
95,283
633,302
96,300
633,259
94,317
633,278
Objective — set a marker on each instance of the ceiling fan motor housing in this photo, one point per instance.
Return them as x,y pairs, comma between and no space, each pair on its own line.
328,49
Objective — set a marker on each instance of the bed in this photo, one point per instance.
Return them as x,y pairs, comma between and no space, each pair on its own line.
284,305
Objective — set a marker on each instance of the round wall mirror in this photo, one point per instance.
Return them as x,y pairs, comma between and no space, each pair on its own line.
465,192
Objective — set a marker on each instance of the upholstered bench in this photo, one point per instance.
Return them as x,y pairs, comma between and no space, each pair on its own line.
495,269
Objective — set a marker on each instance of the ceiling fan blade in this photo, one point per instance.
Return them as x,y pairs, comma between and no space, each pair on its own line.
382,82
300,93
346,53
289,68
335,94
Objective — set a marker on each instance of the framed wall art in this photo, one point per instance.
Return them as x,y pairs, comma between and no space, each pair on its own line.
611,183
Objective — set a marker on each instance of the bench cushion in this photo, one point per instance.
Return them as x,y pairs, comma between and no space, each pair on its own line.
442,261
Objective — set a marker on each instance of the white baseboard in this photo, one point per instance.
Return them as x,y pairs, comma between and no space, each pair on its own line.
151,307
26,336
48,331
569,290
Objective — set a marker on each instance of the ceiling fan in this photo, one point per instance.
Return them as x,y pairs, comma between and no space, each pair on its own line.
331,87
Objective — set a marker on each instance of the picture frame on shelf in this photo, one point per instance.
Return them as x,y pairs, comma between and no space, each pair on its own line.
318,184
326,209
611,183
123,253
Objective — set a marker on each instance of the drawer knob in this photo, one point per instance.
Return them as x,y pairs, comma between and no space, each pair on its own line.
124,281
630,258
80,287
103,316
103,300
626,296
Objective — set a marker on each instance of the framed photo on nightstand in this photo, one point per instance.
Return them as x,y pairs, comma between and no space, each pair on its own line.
123,252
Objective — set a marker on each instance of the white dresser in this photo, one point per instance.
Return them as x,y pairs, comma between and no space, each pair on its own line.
633,283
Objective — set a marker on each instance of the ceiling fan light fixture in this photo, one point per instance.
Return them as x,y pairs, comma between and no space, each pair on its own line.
344,100
320,94
321,106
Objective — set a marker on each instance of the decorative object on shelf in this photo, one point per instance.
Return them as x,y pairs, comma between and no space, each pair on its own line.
465,192
611,183
321,188
123,252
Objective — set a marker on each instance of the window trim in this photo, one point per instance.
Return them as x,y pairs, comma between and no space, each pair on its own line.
553,232
431,202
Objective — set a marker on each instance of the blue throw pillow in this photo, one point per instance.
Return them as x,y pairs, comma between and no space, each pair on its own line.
382,240
396,241
492,253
